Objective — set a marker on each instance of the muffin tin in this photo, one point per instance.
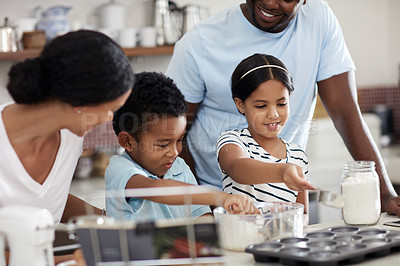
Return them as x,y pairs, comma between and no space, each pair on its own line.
331,246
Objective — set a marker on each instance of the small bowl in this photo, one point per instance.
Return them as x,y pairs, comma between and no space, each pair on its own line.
277,220
33,39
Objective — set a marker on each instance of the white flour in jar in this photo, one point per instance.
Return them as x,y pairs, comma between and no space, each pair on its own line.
361,199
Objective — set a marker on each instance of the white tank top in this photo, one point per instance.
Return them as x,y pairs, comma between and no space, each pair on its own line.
18,188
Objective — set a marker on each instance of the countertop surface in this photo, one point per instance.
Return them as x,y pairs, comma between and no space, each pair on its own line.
88,187
243,258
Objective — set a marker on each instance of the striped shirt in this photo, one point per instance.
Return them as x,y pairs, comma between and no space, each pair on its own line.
261,192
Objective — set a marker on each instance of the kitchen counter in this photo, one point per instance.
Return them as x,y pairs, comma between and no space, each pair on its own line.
85,188
243,258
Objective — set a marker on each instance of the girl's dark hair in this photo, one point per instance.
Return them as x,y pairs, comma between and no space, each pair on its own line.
153,96
80,68
243,86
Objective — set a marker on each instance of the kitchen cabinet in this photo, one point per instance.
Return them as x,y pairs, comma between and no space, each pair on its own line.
130,52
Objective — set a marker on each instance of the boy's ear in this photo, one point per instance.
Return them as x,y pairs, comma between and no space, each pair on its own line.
126,141
239,105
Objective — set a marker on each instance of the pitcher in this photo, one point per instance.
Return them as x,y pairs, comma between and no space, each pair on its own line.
54,21
168,30
191,16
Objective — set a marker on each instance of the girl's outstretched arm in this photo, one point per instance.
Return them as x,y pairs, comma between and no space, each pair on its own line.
248,171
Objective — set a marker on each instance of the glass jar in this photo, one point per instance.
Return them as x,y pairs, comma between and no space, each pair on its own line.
361,193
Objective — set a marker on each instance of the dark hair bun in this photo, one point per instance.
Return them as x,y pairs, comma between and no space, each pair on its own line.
24,82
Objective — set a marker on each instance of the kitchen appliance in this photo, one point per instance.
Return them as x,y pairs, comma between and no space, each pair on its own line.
54,21
191,16
385,114
8,38
168,28
29,232
277,219
172,22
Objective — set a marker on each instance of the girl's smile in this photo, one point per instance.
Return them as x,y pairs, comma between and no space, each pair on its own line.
266,109
273,126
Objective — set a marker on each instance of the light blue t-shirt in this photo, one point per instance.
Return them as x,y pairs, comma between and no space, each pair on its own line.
312,47
121,168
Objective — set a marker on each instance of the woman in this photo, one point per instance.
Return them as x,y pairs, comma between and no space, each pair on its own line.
76,83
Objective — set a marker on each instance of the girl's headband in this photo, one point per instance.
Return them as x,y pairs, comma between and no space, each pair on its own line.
263,66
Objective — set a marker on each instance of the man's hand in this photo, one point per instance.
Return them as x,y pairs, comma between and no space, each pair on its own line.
392,205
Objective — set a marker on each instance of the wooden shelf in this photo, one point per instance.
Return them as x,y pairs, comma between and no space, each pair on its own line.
130,52
19,55
146,51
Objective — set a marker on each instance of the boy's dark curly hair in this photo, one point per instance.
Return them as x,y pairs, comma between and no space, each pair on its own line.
153,96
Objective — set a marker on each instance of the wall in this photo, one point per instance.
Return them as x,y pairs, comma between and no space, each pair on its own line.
372,36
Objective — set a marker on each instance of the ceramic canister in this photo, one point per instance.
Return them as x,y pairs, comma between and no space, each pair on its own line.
127,37
112,16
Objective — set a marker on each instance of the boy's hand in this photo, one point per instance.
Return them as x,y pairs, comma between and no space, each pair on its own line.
238,204
293,177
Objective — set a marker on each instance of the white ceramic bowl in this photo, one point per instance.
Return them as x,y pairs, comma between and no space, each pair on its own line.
277,219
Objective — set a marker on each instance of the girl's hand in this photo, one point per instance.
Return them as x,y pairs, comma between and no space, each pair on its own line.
238,204
293,177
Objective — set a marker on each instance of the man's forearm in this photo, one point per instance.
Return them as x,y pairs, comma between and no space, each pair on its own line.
339,95
363,147
187,156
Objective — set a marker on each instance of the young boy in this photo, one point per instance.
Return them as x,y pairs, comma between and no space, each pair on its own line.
151,126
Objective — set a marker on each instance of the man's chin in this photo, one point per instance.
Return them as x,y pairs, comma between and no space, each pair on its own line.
274,29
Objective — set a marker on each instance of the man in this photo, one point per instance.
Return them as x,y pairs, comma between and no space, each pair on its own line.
307,37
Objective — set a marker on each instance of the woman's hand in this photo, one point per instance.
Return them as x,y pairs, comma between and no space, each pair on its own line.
238,204
293,177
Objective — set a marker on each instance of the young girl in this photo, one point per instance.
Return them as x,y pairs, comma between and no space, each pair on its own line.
254,161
